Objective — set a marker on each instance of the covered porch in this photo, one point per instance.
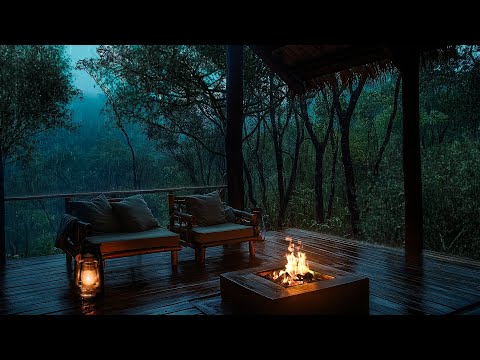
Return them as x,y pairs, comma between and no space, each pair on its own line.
402,281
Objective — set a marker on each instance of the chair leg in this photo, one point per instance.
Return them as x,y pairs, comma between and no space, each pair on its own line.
174,258
68,259
200,255
251,248
101,265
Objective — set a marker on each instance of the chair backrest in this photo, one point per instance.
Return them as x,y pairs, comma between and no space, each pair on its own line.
68,200
177,203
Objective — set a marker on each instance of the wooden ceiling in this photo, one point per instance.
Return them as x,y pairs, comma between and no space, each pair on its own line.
303,66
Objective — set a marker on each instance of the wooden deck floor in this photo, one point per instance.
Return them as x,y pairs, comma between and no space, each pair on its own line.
146,284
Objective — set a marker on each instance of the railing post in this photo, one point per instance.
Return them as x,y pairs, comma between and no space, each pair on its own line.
3,236
171,210
67,204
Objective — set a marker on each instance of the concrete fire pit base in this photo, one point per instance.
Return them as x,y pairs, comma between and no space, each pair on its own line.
248,292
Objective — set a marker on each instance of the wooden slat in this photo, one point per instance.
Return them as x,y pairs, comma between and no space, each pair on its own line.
146,284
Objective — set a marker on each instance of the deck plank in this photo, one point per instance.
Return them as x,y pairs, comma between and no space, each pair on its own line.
147,285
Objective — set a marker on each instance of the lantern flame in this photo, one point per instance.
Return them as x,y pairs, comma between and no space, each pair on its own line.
89,277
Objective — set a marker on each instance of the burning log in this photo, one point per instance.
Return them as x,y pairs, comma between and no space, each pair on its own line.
296,270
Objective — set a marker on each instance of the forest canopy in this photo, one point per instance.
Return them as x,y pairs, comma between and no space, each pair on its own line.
329,161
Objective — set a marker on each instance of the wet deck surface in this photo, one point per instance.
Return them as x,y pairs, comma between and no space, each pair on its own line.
146,284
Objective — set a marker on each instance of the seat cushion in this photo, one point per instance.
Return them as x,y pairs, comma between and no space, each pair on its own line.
227,231
158,237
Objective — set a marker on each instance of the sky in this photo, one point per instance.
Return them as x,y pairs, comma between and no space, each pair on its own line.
81,79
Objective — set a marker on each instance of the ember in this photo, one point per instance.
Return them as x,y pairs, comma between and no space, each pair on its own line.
296,270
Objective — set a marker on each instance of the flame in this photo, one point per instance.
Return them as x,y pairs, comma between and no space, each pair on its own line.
296,266
88,277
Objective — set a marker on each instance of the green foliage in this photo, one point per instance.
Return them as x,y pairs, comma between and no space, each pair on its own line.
451,189
171,101
36,91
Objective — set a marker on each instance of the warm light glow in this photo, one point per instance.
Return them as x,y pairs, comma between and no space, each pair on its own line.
296,265
89,277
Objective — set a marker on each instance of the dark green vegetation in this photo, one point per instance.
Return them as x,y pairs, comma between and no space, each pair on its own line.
165,122
35,90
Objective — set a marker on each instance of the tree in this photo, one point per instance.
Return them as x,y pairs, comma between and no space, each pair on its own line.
277,129
106,82
320,144
36,87
344,120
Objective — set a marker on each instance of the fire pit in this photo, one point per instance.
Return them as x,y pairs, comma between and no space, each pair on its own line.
295,288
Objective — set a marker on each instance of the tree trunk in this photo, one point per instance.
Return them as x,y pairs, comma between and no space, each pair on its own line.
2,211
349,179
187,167
119,124
319,211
278,155
136,185
248,176
293,173
261,174
320,146
344,119
379,157
52,226
389,127
332,180
277,132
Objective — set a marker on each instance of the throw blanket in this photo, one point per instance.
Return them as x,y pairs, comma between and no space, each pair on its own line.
66,224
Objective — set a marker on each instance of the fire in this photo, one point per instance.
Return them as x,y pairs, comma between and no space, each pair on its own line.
296,267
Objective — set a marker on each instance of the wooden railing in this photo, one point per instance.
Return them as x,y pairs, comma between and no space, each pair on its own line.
112,193
116,193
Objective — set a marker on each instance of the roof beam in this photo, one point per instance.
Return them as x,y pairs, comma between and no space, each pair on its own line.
295,84
341,60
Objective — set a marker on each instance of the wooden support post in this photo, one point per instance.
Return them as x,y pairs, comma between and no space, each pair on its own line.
233,136
407,61
3,238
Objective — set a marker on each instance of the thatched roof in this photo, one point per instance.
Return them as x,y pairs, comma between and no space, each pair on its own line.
305,68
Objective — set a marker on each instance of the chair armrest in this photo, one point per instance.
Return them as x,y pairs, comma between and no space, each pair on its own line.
76,236
84,229
184,217
246,217
243,214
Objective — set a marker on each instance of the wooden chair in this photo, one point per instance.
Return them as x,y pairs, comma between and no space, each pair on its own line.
244,229
115,245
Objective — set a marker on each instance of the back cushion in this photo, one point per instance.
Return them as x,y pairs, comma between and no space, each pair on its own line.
207,209
97,212
134,214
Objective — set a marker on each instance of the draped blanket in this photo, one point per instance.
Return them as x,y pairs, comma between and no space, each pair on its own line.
66,225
